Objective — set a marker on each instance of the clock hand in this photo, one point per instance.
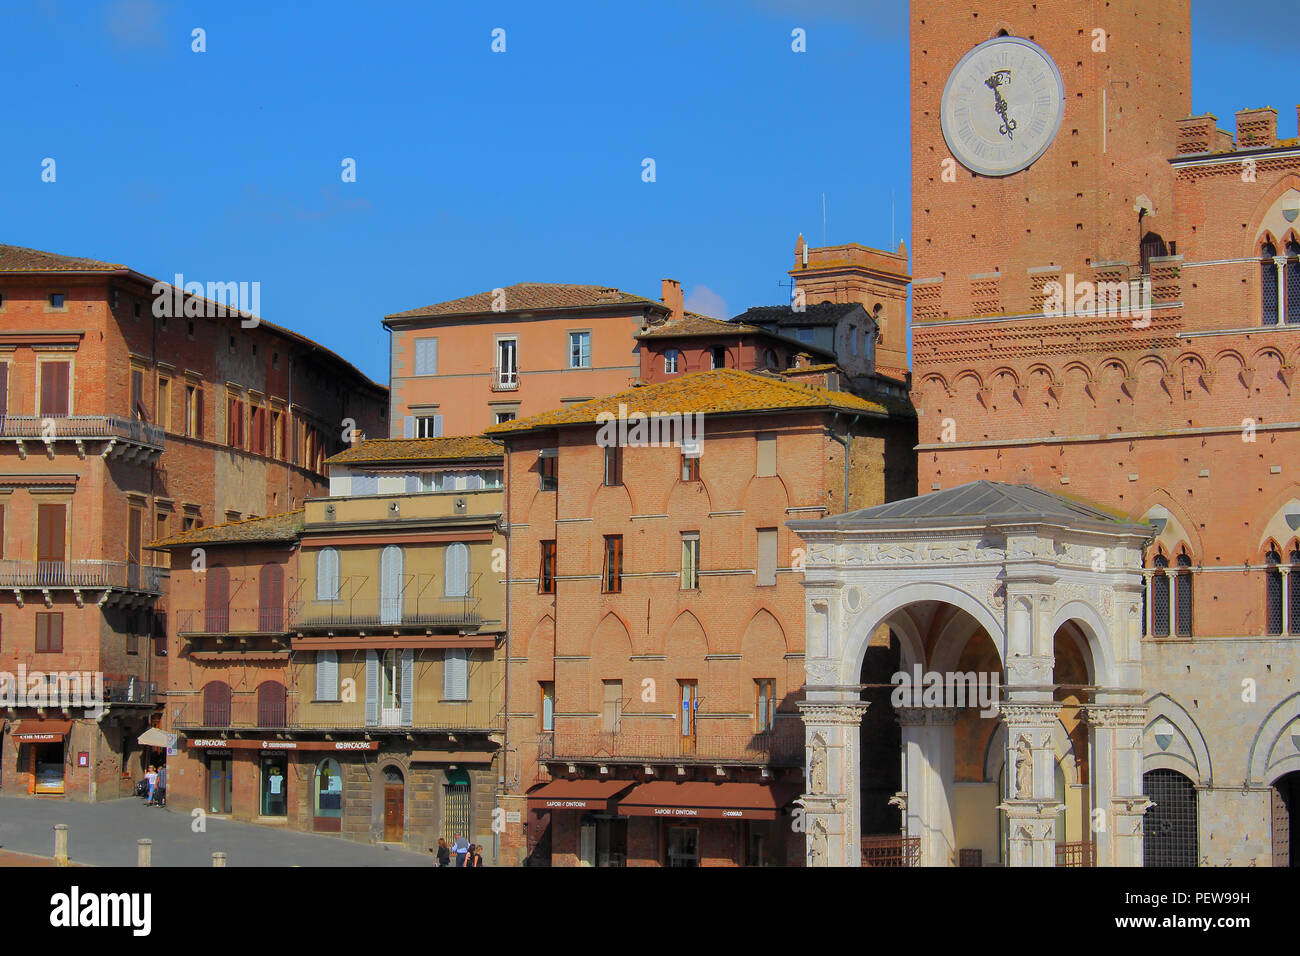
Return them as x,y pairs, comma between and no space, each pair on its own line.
999,104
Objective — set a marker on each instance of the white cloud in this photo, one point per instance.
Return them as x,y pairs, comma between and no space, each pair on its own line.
706,302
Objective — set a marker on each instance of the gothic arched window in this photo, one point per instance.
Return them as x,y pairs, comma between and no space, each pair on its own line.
1160,597
1294,596
1183,595
1292,282
1268,285
1273,592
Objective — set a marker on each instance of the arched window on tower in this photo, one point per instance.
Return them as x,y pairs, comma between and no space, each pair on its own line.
1294,596
1273,591
1183,595
1160,597
1292,283
1153,246
1267,285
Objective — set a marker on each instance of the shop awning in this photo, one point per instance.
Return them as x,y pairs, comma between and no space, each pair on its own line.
153,737
41,731
577,794
696,799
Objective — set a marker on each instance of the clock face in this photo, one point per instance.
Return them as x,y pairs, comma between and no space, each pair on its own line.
1002,106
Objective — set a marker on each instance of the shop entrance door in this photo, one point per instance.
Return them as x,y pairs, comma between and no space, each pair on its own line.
219,784
683,846
394,805
47,768
275,786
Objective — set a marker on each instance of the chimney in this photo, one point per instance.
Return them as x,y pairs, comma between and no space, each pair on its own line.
672,297
1256,128
358,436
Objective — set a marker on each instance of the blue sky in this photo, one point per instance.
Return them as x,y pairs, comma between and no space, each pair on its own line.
478,169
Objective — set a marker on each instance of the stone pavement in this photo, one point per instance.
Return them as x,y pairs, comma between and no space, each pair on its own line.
104,834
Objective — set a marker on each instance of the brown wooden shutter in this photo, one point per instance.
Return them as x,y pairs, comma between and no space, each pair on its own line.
198,411
4,388
50,524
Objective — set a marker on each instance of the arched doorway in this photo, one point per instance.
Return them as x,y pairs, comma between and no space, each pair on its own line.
394,805
1169,835
1285,794
327,797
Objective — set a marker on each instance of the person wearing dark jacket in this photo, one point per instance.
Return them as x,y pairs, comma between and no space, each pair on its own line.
475,856
444,853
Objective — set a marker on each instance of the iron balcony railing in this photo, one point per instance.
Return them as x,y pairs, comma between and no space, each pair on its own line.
892,850
221,621
129,689
271,713
89,573
770,747
413,611
1081,853
93,427
505,379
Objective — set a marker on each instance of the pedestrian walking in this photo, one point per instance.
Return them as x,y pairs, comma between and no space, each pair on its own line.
444,853
475,857
151,778
460,846
160,791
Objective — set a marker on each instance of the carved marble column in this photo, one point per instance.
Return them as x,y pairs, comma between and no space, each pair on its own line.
1030,800
832,815
928,770
1116,732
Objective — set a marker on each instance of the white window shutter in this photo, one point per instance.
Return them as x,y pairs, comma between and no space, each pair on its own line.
455,674
456,570
390,585
408,687
372,689
327,574
327,675
437,427
408,426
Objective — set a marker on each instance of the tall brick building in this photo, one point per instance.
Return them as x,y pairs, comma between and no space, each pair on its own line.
656,614
119,425
1040,357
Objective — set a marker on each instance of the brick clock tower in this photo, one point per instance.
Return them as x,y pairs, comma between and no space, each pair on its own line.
1041,139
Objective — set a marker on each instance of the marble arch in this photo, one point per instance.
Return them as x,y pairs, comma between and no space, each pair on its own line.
1020,564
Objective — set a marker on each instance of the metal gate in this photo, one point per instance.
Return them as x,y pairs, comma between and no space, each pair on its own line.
1169,836
455,810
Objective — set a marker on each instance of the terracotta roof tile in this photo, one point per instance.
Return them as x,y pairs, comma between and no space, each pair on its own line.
717,392
530,296
389,450
693,324
281,527
20,259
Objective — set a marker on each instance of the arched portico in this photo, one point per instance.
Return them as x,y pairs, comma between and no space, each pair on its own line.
976,586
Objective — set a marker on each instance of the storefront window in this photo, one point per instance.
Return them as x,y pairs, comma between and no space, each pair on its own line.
49,767
329,789
683,846
275,781
219,783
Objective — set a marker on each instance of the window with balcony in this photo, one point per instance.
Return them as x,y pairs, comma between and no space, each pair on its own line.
690,699
51,537
546,573
216,704
327,574
216,587
327,675
579,350
390,585
611,719
271,704
270,606
548,705
612,576
55,394
456,570
690,561
393,689
4,390
455,674
764,704
506,373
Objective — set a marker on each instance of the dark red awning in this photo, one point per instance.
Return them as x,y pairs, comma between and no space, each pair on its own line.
577,794
699,800
41,731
